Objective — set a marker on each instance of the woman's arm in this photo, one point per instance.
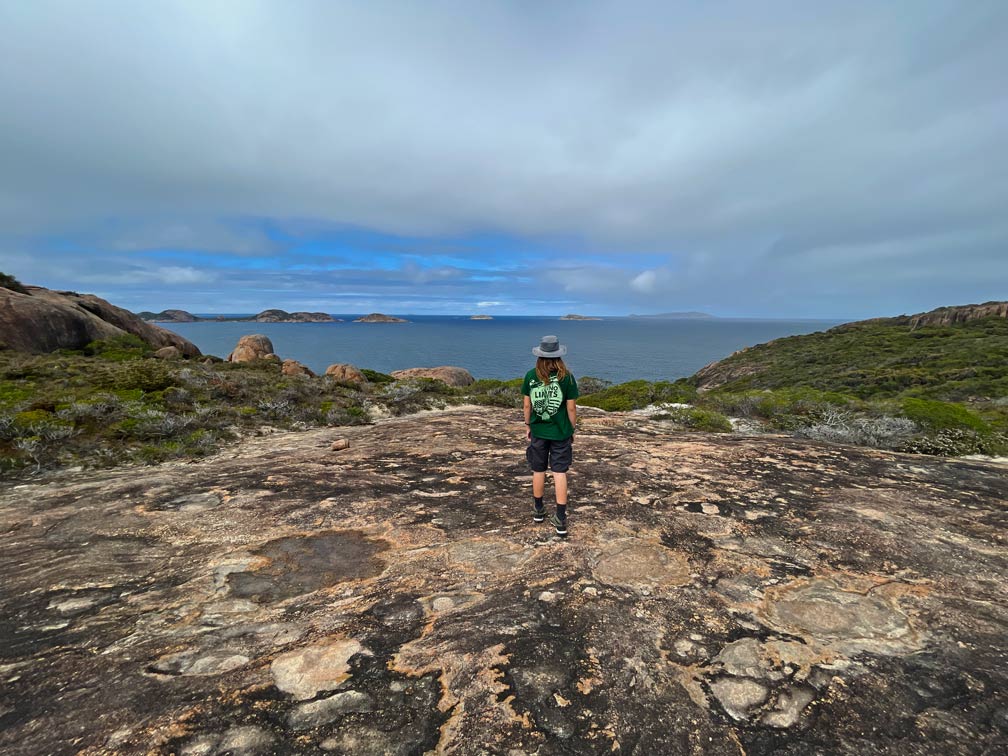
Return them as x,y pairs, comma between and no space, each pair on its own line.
572,411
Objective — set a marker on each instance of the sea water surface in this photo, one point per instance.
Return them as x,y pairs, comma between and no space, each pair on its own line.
615,349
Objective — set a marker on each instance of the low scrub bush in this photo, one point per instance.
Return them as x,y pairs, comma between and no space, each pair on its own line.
937,415
956,442
374,376
841,427
696,418
637,394
589,385
8,281
118,348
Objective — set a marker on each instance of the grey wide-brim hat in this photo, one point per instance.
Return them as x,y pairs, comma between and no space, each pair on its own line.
550,348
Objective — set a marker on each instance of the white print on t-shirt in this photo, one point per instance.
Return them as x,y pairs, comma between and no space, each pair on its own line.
546,399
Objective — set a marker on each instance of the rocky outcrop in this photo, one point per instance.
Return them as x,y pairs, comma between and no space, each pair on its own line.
716,595
377,317
346,373
281,316
44,321
252,347
293,367
573,316
944,316
453,376
481,317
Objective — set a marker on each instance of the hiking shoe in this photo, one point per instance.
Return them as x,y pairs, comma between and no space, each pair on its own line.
538,514
560,523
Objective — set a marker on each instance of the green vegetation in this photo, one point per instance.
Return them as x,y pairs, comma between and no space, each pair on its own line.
877,359
636,394
8,281
936,415
936,390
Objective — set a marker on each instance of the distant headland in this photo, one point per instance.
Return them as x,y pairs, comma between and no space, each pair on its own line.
677,316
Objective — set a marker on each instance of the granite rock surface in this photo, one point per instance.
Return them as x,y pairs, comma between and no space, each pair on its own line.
44,320
717,595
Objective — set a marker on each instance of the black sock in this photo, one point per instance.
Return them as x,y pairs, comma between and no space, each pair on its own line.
538,502
561,510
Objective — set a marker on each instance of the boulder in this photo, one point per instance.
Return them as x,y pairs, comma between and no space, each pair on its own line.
453,376
44,321
252,347
293,367
346,373
168,353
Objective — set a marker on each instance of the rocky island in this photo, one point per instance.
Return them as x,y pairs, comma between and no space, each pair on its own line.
377,317
717,595
481,317
281,316
572,316
266,316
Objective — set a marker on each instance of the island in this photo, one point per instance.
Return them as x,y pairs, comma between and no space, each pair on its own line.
266,316
572,316
281,316
480,317
168,316
377,317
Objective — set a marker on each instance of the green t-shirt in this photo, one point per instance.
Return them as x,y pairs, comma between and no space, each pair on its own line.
549,405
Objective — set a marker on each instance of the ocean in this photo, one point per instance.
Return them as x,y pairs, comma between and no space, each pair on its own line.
615,349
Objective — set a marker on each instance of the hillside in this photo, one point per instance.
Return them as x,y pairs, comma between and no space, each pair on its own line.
952,354
717,595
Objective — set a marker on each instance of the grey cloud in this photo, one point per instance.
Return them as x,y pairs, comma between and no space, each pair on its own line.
749,133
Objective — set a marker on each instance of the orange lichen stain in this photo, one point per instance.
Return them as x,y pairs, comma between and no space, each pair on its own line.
587,684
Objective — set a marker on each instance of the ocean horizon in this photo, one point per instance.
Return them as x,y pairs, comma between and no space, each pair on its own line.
614,348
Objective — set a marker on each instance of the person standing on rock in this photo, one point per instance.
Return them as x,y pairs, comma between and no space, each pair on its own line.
549,397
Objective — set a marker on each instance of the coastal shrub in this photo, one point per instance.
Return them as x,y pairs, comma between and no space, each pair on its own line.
12,394
118,348
591,385
938,415
349,415
956,442
782,409
842,427
140,374
491,392
374,376
696,418
637,394
8,281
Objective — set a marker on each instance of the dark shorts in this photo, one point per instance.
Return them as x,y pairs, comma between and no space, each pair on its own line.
543,451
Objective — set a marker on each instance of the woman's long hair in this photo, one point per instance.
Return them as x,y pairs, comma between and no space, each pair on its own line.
546,366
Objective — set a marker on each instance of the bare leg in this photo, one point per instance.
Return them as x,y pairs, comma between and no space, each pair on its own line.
560,484
539,484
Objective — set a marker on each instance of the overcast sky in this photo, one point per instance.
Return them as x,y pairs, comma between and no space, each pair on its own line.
784,159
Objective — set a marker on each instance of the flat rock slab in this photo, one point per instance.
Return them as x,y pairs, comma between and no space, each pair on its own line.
717,594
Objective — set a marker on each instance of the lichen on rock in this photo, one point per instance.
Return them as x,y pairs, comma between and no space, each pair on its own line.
396,597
